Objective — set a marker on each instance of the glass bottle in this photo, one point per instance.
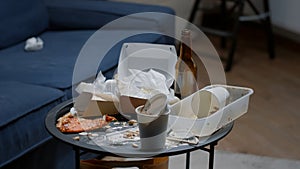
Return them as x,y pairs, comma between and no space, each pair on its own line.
186,69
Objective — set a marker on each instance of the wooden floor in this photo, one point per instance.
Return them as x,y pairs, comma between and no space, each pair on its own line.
272,125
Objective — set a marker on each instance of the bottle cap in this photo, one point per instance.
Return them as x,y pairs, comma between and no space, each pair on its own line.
185,32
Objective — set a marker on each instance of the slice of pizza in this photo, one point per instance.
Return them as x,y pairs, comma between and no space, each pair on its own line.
73,124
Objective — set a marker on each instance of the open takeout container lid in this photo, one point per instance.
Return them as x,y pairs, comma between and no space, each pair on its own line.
145,56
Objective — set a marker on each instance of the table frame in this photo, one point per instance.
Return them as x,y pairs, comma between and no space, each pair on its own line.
80,147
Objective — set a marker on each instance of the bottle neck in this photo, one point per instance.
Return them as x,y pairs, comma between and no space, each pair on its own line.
185,47
185,52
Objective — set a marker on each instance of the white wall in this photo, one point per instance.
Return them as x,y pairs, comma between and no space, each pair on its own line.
284,13
182,7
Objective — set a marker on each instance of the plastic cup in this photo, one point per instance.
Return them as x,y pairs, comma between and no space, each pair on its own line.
153,130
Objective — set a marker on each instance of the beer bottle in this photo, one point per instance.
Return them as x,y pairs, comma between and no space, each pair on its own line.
186,69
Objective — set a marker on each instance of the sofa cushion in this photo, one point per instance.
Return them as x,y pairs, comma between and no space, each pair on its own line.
21,20
22,114
17,99
78,14
53,65
51,154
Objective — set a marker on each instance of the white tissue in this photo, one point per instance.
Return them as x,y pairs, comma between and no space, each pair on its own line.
34,44
102,90
143,84
73,111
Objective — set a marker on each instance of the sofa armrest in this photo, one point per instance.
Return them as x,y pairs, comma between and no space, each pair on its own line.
93,14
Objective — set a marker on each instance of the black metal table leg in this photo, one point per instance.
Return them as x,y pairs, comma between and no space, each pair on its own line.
187,160
77,157
211,156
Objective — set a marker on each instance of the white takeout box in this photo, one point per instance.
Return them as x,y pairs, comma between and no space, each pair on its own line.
87,105
181,119
139,56
144,56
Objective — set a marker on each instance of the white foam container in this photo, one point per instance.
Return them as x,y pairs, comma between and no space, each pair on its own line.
144,56
237,105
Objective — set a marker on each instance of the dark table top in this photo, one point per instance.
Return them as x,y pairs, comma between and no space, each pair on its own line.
125,151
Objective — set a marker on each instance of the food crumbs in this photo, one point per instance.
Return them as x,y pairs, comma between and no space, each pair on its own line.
77,138
83,133
135,145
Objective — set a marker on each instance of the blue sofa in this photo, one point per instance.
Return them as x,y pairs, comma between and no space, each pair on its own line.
31,83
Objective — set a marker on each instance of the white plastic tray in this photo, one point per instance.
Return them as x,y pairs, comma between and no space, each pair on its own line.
236,106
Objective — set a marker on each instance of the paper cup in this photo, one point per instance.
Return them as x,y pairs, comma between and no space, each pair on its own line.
153,131
144,118
208,101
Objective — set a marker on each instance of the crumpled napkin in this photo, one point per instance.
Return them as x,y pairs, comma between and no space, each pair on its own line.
34,44
139,85
102,89
142,84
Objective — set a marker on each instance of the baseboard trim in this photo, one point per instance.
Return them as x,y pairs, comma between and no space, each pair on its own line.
286,33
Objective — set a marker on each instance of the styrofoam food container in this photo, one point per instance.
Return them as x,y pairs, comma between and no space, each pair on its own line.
145,56
181,117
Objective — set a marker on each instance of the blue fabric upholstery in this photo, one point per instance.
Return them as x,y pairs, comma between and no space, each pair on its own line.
31,83
17,99
53,65
22,113
92,14
20,20
51,154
